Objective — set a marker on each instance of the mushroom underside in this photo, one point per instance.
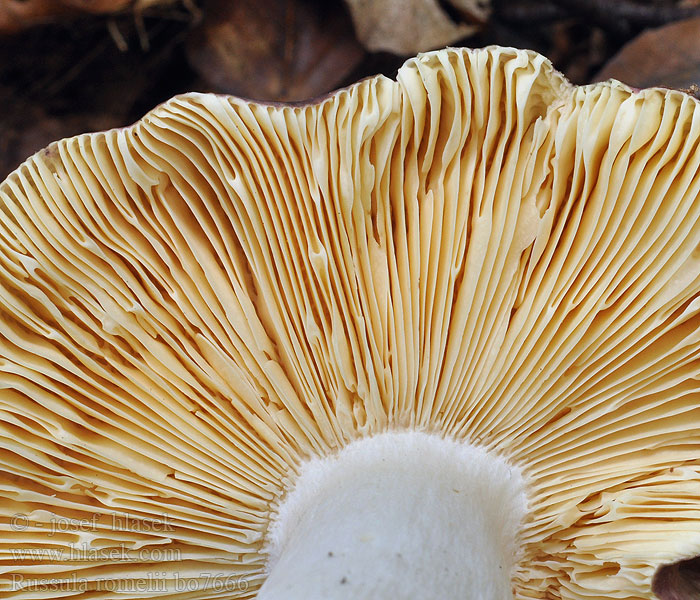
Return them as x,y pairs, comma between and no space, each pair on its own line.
195,307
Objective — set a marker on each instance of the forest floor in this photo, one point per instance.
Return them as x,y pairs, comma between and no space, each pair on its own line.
74,71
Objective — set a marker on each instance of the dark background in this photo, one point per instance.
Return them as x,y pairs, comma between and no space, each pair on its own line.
71,66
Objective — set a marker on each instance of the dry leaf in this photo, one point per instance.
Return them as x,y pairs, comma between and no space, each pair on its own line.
668,56
16,15
410,26
110,6
274,50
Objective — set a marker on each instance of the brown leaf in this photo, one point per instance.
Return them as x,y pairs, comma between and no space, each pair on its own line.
274,49
668,56
98,6
16,15
678,581
411,26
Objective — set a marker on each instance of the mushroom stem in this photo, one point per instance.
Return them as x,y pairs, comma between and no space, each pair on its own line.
398,516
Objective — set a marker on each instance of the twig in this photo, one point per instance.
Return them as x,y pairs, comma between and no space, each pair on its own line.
117,36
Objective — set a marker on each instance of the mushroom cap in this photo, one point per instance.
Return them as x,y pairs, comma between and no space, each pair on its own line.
194,305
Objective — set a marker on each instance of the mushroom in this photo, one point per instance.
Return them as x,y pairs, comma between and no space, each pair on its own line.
435,337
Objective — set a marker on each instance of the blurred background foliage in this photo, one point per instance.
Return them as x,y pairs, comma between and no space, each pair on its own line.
71,66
